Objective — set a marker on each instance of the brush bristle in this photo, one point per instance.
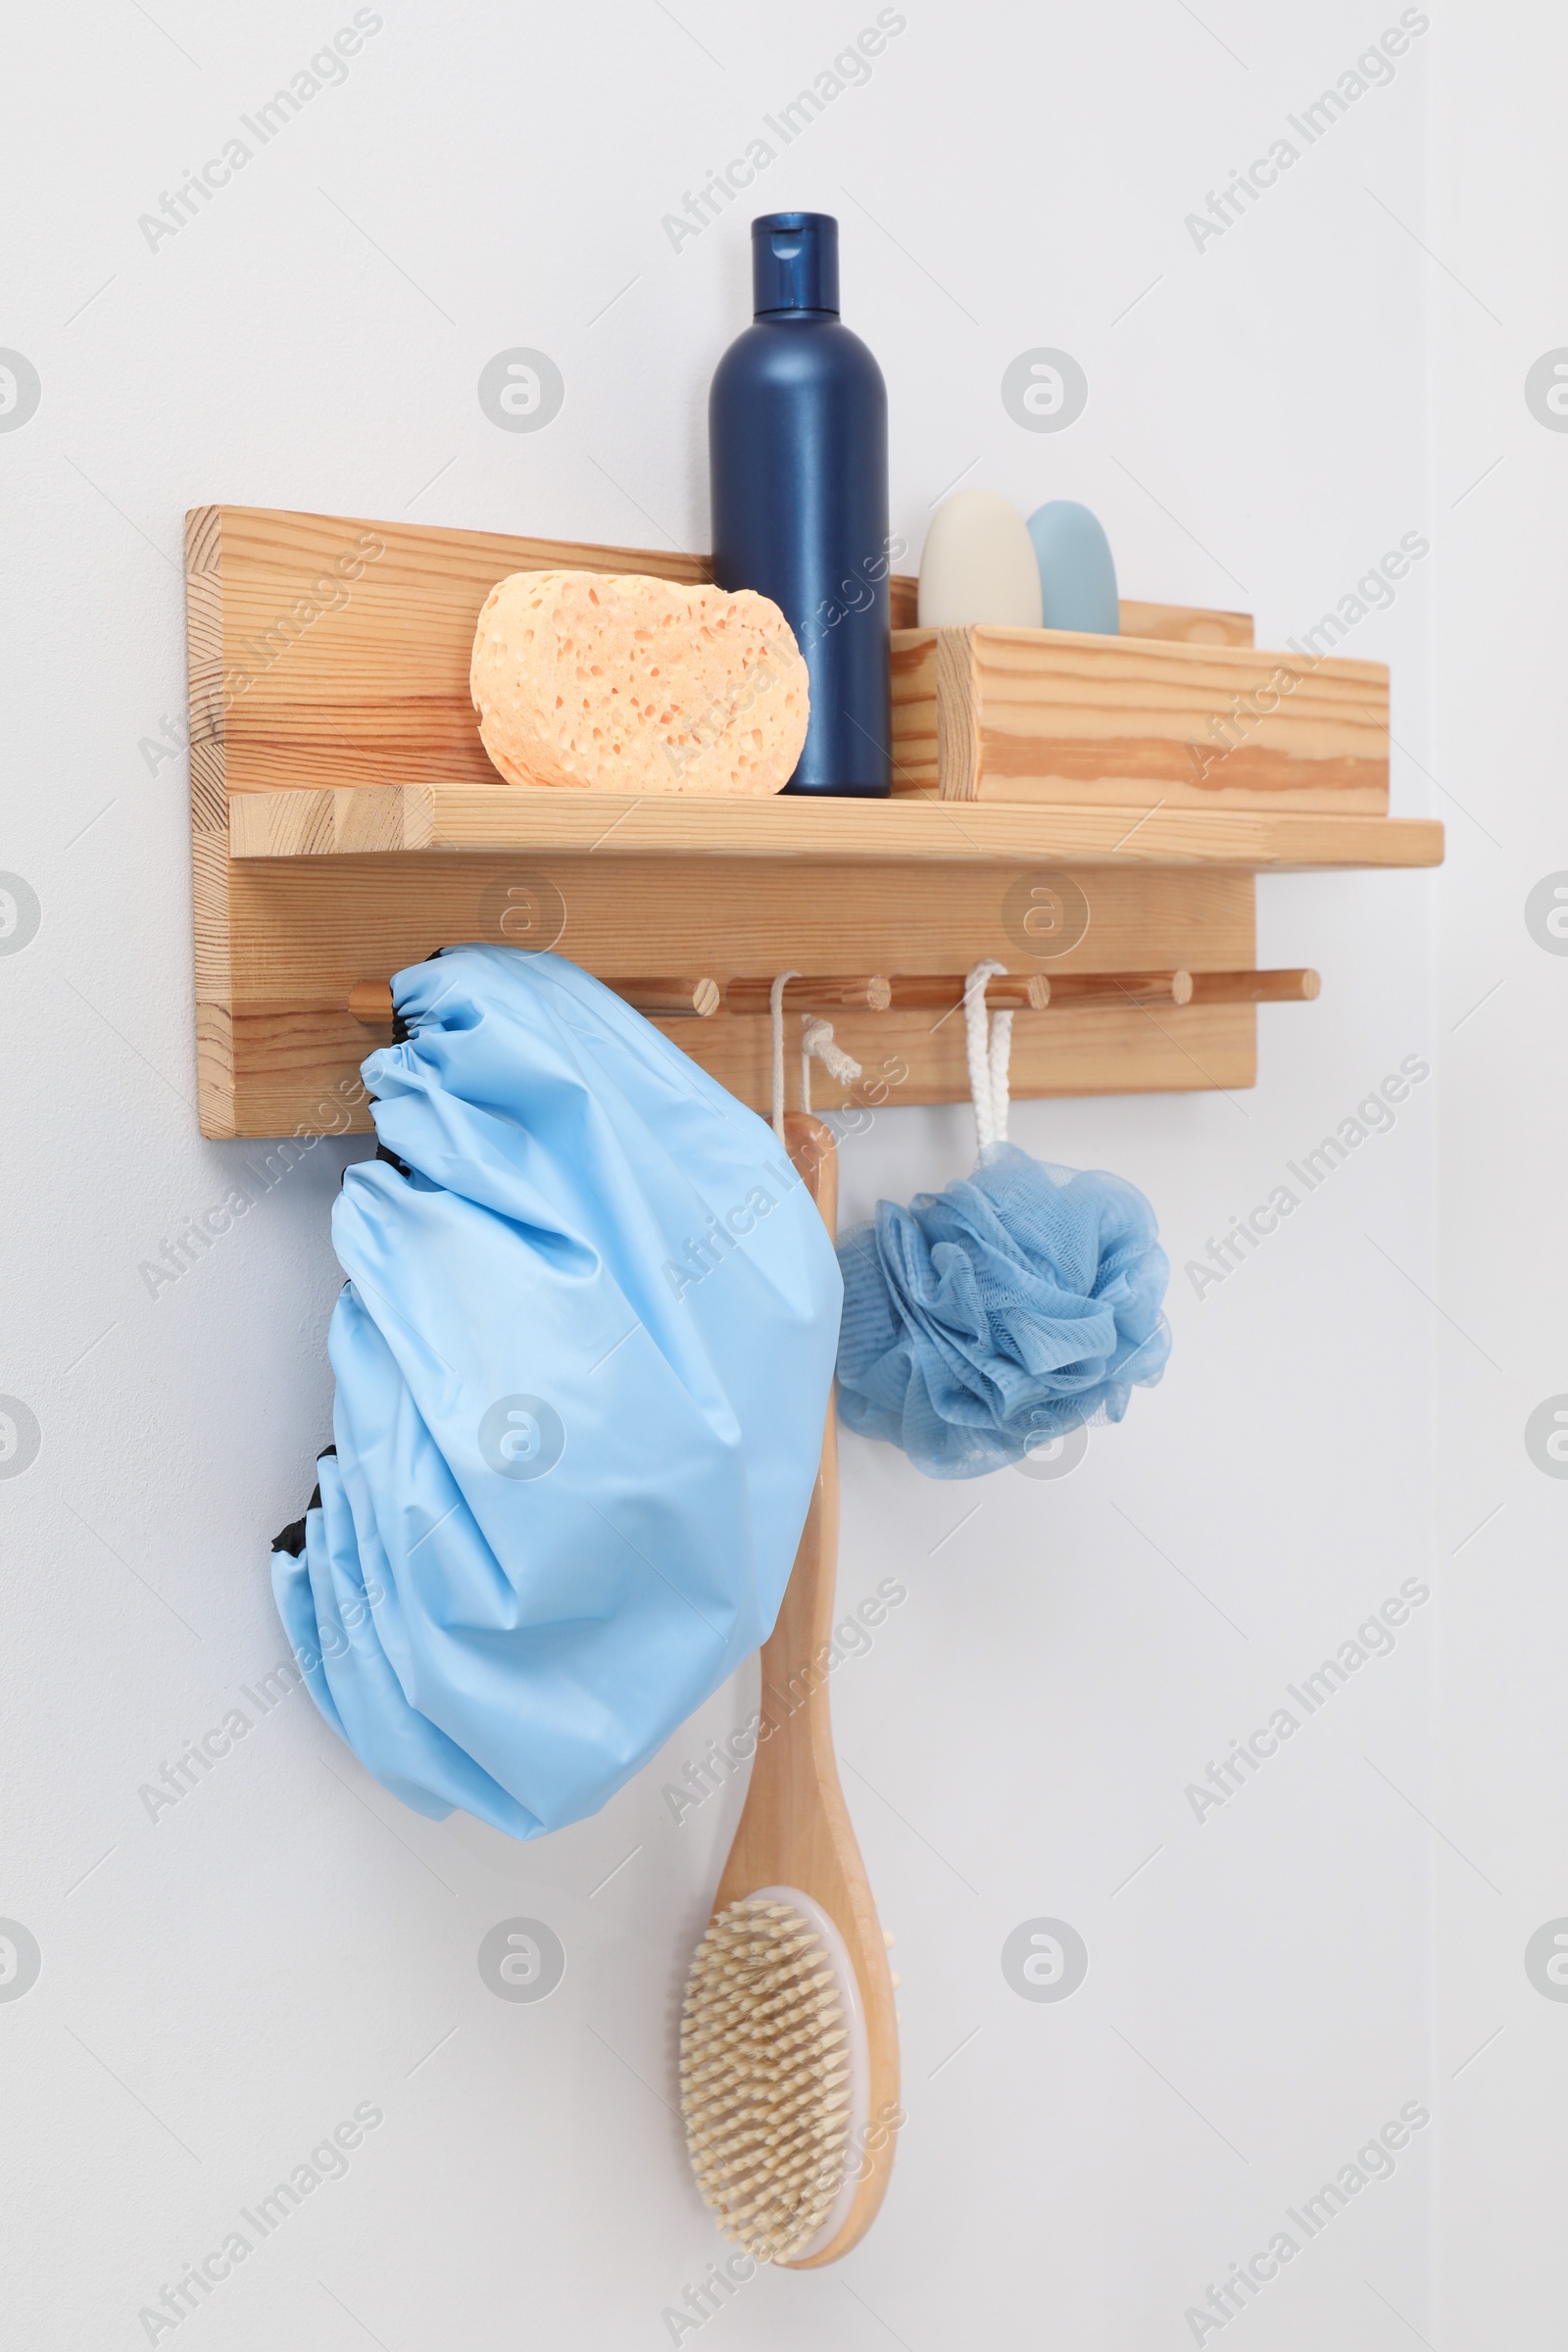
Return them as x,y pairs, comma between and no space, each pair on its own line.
765,2077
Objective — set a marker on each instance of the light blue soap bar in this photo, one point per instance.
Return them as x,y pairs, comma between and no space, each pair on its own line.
1077,570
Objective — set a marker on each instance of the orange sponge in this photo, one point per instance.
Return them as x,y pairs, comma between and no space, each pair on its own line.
628,684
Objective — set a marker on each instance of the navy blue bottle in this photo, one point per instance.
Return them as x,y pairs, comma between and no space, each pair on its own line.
798,445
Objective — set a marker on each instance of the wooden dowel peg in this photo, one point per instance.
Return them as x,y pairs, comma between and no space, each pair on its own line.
1073,990
938,992
812,993
670,999
1294,987
942,991
371,1000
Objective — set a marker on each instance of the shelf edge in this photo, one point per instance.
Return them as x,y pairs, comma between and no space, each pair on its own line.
354,821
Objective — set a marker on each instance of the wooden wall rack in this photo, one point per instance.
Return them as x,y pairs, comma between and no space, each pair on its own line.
346,822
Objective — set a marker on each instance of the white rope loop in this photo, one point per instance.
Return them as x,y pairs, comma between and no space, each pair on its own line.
775,1007
989,1055
817,1038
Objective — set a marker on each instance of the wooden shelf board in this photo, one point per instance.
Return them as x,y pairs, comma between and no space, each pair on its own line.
497,819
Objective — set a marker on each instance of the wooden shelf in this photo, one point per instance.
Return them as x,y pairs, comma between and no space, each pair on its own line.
343,821
346,822
1060,718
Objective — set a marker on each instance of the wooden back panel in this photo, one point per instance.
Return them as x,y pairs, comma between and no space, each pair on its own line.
336,649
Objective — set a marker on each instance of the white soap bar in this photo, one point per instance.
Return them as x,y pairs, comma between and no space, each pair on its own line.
979,566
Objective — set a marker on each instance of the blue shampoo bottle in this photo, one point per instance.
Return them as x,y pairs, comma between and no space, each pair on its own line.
797,446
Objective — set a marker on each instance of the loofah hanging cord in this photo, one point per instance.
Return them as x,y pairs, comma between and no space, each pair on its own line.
990,1057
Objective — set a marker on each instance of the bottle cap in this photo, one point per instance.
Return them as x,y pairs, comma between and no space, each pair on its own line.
795,263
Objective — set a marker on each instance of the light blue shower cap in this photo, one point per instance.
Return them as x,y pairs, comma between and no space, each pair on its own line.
1019,1302
583,1358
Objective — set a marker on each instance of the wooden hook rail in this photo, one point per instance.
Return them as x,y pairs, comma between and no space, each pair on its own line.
809,993
1038,992
371,1000
1023,992
938,992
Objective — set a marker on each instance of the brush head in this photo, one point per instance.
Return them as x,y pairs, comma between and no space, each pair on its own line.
773,2073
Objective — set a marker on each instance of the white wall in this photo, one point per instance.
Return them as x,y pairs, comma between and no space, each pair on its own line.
1500,1018
221,1985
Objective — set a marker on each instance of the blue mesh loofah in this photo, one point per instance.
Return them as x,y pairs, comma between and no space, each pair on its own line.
1015,1304
1012,1308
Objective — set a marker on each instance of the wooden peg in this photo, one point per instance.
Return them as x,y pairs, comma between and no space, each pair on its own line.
942,992
670,999
1074,989
812,993
371,1000
1293,986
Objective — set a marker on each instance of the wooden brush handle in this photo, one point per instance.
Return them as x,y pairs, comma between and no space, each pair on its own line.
795,1829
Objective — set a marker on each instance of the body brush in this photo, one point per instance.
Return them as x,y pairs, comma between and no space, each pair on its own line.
788,2049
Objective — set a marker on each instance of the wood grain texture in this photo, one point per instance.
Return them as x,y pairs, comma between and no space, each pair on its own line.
919,1056
904,601
943,992
346,643
496,818
342,644
1296,986
1179,625
209,823
676,1000
305,930
794,1827
917,729
1185,624
1117,988
827,992
346,822
341,821
912,686
1057,717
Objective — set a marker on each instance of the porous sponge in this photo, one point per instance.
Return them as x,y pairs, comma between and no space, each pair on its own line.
628,684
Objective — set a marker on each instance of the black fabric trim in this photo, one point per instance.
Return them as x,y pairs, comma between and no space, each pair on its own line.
292,1538
401,1032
